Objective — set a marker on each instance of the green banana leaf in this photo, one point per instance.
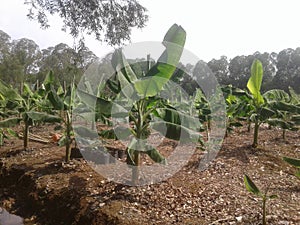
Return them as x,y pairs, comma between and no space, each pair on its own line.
250,186
10,122
150,151
27,91
43,117
54,99
254,83
284,106
292,161
120,63
163,70
295,98
177,125
49,80
281,123
276,95
9,93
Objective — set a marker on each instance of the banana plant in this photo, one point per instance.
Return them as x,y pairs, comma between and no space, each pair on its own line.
6,133
294,162
295,98
5,112
62,101
238,107
140,101
252,188
202,105
28,106
260,111
287,113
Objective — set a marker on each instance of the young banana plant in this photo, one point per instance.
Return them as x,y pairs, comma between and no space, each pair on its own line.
238,106
252,188
260,111
29,106
287,113
149,111
62,101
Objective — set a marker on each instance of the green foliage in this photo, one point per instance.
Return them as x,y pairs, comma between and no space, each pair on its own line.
63,101
287,111
149,111
252,188
260,112
254,83
28,106
238,106
294,162
162,71
109,21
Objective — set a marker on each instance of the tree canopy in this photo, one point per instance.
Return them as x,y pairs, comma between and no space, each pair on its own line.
110,21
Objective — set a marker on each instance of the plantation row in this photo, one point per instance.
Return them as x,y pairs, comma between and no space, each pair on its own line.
126,98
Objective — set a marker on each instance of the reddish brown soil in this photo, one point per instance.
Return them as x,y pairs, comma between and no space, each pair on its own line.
37,185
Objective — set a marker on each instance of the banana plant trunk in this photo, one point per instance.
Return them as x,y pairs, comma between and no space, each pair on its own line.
68,137
255,138
264,220
136,169
26,134
249,126
1,138
283,134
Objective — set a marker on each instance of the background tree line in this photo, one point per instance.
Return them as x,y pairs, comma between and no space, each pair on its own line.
23,61
281,70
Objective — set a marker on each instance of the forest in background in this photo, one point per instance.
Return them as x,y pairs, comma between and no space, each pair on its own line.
23,61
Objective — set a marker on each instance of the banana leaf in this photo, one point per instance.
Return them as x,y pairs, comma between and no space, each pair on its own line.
254,83
43,117
176,125
163,70
9,92
276,95
11,122
250,186
292,161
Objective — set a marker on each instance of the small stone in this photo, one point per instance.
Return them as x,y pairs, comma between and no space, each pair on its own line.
239,218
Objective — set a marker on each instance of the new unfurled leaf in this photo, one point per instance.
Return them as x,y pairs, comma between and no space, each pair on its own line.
254,83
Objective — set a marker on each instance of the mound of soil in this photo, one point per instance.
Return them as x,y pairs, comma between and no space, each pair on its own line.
37,185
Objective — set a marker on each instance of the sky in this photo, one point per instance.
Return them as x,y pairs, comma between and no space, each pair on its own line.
214,27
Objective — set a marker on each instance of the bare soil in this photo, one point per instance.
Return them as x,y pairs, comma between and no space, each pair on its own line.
37,185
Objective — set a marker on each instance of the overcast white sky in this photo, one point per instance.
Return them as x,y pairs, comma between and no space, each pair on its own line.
214,27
